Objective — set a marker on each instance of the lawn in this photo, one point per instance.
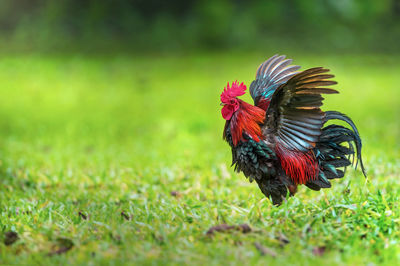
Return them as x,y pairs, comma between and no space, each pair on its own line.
119,159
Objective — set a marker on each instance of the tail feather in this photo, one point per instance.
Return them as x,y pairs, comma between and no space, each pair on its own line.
330,175
332,115
332,154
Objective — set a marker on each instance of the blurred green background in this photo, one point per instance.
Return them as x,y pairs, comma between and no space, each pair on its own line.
111,132
154,25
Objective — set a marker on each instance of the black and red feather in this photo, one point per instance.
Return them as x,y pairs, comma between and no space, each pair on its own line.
282,140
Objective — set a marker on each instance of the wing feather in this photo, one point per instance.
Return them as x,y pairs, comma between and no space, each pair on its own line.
294,116
270,75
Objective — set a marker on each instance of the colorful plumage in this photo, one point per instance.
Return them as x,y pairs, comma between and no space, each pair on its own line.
282,141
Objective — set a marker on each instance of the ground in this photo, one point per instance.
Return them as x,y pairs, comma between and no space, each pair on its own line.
119,159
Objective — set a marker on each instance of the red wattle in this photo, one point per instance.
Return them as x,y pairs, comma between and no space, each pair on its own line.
227,111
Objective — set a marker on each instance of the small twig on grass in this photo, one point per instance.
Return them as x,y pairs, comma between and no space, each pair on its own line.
82,215
63,245
264,250
125,216
245,228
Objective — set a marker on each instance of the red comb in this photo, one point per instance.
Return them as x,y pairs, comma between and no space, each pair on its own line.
231,92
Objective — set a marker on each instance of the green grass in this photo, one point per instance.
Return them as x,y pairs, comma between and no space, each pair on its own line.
103,135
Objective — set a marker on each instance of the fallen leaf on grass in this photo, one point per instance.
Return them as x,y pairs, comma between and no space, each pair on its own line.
264,250
10,238
245,228
125,216
82,215
175,194
219,228
283,240
63,245
319,251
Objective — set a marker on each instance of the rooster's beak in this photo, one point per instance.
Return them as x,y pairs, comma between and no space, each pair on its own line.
222,104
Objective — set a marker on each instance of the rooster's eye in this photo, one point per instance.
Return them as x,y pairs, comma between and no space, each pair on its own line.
232,101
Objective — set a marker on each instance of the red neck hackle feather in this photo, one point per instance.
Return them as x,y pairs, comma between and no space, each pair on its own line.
247,119
241,116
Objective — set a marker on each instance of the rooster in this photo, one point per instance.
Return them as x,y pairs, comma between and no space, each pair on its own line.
282,141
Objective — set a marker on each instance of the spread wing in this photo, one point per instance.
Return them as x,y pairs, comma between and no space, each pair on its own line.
294,116
270,75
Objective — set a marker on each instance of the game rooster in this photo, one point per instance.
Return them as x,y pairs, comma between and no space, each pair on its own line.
281,141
